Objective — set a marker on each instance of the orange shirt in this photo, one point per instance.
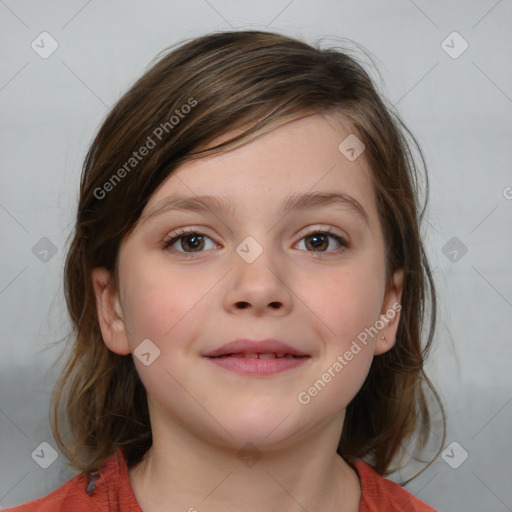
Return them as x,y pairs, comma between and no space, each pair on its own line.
110,491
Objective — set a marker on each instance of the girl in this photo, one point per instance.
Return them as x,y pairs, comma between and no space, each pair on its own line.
247,286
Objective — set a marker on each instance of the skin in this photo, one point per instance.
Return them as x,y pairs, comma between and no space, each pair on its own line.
318,301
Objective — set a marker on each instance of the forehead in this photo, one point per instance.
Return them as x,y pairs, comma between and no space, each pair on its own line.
298,157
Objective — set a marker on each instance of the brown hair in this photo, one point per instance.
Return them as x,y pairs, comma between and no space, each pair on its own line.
253,81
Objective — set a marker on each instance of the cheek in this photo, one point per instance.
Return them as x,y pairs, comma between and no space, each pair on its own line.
343,372
167,306
154,302
163,307
348,308
347,303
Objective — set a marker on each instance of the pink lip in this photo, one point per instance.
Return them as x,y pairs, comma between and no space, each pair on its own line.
246,346
231,357
258,366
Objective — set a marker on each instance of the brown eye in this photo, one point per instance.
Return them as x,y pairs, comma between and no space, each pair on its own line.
188,242
193,242
318,241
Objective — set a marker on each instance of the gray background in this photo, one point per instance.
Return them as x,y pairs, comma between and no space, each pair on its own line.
460,109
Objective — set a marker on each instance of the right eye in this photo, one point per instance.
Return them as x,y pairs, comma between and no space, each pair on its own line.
187,238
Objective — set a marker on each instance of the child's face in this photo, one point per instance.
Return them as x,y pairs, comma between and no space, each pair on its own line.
317,302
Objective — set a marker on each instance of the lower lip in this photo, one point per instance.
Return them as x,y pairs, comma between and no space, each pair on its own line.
247,366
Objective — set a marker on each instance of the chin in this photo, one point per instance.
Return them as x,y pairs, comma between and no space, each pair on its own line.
264,428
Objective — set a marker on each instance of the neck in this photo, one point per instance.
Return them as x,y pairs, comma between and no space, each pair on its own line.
183,472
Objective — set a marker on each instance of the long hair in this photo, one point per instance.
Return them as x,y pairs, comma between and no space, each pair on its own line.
251,81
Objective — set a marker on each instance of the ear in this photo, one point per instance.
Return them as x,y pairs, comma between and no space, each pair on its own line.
390,314
110,315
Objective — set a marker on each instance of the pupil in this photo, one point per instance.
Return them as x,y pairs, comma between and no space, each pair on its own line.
317,240
196,240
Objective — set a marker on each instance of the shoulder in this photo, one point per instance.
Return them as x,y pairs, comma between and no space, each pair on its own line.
105,490
68,494
379,494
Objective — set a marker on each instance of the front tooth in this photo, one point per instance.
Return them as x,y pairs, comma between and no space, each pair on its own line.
268,356
251,356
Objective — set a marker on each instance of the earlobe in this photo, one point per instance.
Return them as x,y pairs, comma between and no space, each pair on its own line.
110,314
382,345
390,315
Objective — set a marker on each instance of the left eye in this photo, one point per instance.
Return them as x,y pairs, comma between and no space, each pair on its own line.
319,240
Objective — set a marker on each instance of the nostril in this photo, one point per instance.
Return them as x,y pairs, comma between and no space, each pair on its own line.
244,305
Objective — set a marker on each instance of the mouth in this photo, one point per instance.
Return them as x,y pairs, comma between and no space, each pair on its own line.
257,358
269,355
255,349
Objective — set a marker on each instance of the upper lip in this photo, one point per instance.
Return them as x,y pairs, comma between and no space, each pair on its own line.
247,346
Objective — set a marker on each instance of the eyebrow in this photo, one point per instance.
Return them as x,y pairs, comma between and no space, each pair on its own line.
224,205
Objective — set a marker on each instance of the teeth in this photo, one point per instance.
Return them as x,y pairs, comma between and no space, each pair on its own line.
268,356
249,355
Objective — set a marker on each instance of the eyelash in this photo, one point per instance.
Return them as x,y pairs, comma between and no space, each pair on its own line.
183,232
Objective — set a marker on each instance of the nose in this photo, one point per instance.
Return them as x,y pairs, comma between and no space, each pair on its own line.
260,287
